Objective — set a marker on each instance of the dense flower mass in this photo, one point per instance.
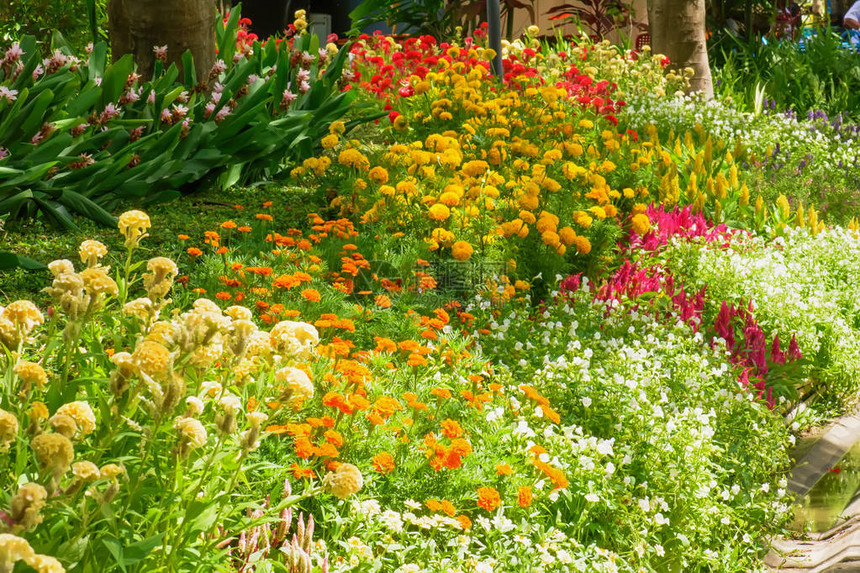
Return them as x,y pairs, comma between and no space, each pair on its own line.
511,327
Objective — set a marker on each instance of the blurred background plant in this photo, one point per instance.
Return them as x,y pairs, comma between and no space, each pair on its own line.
79,21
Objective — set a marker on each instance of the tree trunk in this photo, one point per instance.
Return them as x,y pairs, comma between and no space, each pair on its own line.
677,29
137,26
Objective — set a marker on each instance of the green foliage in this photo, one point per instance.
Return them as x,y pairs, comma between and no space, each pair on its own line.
821,75
80,21
439,18
81,136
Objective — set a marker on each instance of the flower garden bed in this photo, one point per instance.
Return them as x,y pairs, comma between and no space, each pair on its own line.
510,327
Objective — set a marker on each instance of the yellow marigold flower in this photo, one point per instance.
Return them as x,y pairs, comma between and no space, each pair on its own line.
82,414
329,141
439,212
353,158
378,175
8,429
640,224
91,251
449,199
400,123
529,202
583,245
337,127
475,168
550,238
582,219
461,250
406,187
387,190
586,123
344,481
549,94
546,224
598,212
528,217
566,235
31,374
133,226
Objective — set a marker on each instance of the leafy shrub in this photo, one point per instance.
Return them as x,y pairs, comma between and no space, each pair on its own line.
821,73
76,20
78,137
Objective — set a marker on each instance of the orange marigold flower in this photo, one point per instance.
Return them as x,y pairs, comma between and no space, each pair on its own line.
488,498
433,505
244,229
335,438
383,463
229,225
194,251
300,472
264,217
183,237
286,281
524,496
223,295
441,393
448,508
304,447
465,522
416,360
451,428
504,470
382,301
311,295
384,344
385,406
267,204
